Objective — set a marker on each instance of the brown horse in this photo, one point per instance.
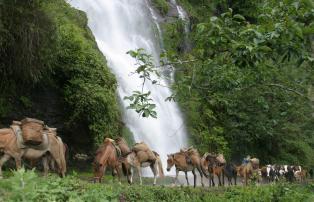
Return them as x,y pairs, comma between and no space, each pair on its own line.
214,168
246,171
11,143
179,160
106,156
48,159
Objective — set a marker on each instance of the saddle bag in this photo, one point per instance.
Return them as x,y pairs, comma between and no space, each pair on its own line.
221,159
32,131
255,163
143,152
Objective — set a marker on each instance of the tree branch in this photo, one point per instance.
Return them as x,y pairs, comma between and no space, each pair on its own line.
286,88
178,62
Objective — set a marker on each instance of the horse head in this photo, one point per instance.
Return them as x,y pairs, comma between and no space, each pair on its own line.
98,171
211,160
170,161
98,164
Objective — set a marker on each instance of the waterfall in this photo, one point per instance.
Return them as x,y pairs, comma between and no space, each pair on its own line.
120,26
186,20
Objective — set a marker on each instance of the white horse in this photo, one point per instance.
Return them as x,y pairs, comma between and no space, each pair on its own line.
134,163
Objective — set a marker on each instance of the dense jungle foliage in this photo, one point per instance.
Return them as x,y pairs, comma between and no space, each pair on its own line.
248,86
46,45
27,186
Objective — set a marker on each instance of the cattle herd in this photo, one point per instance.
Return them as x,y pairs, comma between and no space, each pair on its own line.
31,139
271,173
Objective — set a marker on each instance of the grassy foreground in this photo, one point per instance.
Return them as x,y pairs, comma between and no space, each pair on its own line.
28,186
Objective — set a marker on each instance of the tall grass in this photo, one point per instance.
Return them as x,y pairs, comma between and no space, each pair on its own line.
28,186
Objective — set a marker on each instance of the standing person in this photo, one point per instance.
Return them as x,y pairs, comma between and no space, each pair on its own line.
246,160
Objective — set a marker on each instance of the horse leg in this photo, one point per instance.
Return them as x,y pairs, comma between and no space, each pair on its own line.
219,178
127,172
176,179
154,170
187,179
18,163
55,156
118,173
201,174
52,163
102,173
46,165
33,163
213,179
3,159
223,177
235,180
193,171
246,180
139,173
131,175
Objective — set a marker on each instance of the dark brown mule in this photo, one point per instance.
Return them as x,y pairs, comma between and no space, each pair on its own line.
179,160
230,172
214,168
106,156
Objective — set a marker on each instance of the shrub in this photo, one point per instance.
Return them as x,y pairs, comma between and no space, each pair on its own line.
162,6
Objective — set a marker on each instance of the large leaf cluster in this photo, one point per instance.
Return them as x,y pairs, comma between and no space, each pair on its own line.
249,87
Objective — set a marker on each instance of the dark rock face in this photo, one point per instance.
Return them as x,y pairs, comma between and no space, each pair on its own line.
46,104
171,16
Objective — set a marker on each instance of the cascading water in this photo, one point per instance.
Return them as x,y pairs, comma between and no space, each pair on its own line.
120,26
185,18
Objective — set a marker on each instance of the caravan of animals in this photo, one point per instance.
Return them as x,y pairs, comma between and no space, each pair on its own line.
30,139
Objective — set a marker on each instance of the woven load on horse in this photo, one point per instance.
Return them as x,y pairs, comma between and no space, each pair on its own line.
143,152
50,130
5,131
32,131
255,163
122,144
189,151
221,159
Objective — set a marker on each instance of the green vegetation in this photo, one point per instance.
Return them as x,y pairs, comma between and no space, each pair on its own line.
47,43
245,86
173,36
161,5
27,186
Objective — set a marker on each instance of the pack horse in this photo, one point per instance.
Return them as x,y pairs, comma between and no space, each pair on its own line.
32,139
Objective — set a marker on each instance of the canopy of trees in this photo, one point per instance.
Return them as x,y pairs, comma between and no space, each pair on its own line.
248,89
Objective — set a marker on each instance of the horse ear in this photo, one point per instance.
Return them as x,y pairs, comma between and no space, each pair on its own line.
168,155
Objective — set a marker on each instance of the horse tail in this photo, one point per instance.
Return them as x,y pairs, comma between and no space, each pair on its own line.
161,171
62,156
66,152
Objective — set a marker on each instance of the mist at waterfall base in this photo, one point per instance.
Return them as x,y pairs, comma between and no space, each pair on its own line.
120,26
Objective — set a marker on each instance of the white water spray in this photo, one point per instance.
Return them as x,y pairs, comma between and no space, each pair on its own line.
120,26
